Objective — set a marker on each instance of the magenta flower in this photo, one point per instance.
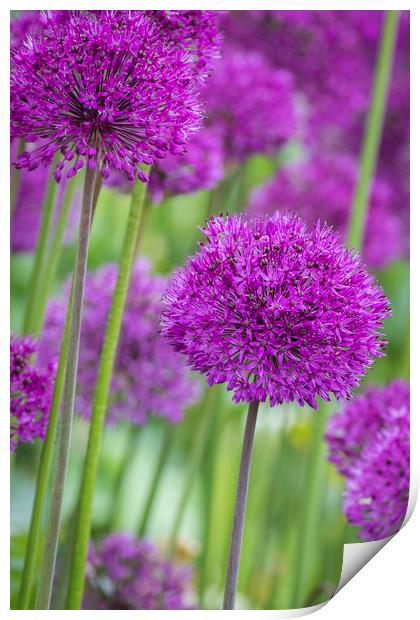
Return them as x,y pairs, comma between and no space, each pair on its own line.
104,89
251,104
276,310
26,215
124,572
30,393
322,188
149,377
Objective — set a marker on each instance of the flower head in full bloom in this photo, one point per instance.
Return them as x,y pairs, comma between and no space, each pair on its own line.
30,393
322,188
149,377
251,104
276,310
106,89
124,572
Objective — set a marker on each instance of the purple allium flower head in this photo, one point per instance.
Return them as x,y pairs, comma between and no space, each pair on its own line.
149,377
27,23
200,167
350,430
105,89
251,104
124,572
26,215
322,188
30,393
377,490
276,310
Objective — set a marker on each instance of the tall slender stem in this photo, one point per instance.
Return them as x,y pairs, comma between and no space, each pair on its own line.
100,400
69,389
44,470
154,485
240,507
373,130
51,263
40,252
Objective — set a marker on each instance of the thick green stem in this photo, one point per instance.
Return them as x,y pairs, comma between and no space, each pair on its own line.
240,508
100,400
197,450
373,130
44,471
154,485
69,390
51,263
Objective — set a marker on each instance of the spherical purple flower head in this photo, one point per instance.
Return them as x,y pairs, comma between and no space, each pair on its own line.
377,491
105,89
276,310
27,210
251,104
350,430
149,377
30,393
322,188
201,167
124,572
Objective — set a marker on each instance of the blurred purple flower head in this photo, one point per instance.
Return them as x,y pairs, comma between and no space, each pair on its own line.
276,310
105,89
124,572
26,23
149,377
251,104
350,430
30,393
322,188
26,214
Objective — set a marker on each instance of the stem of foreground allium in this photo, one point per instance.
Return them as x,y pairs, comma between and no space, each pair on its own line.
44,470
69,389
100,400
240,507
41,251
373,130
51,262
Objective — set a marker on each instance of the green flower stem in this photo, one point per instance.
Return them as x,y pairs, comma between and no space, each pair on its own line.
240,508
51,263
100,400
44,470
198,447
69,389
160,467
308,520
373,130
14,181
40,252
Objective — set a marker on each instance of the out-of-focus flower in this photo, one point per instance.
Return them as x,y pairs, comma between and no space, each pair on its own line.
124,572
27,209
149,377
322,188
30,393
105,89
22,25
251,104
276,310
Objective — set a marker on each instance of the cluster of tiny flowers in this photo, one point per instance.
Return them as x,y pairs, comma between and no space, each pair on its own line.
104,89
369,443
276,310
124,572
149,377
30,393
251,104
323,188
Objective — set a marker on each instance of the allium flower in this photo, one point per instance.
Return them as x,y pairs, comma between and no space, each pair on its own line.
351,429
26,23
124,572
251,104
106,89
276,310
377,490
30,393
149,377
27,210
322,188
200,168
